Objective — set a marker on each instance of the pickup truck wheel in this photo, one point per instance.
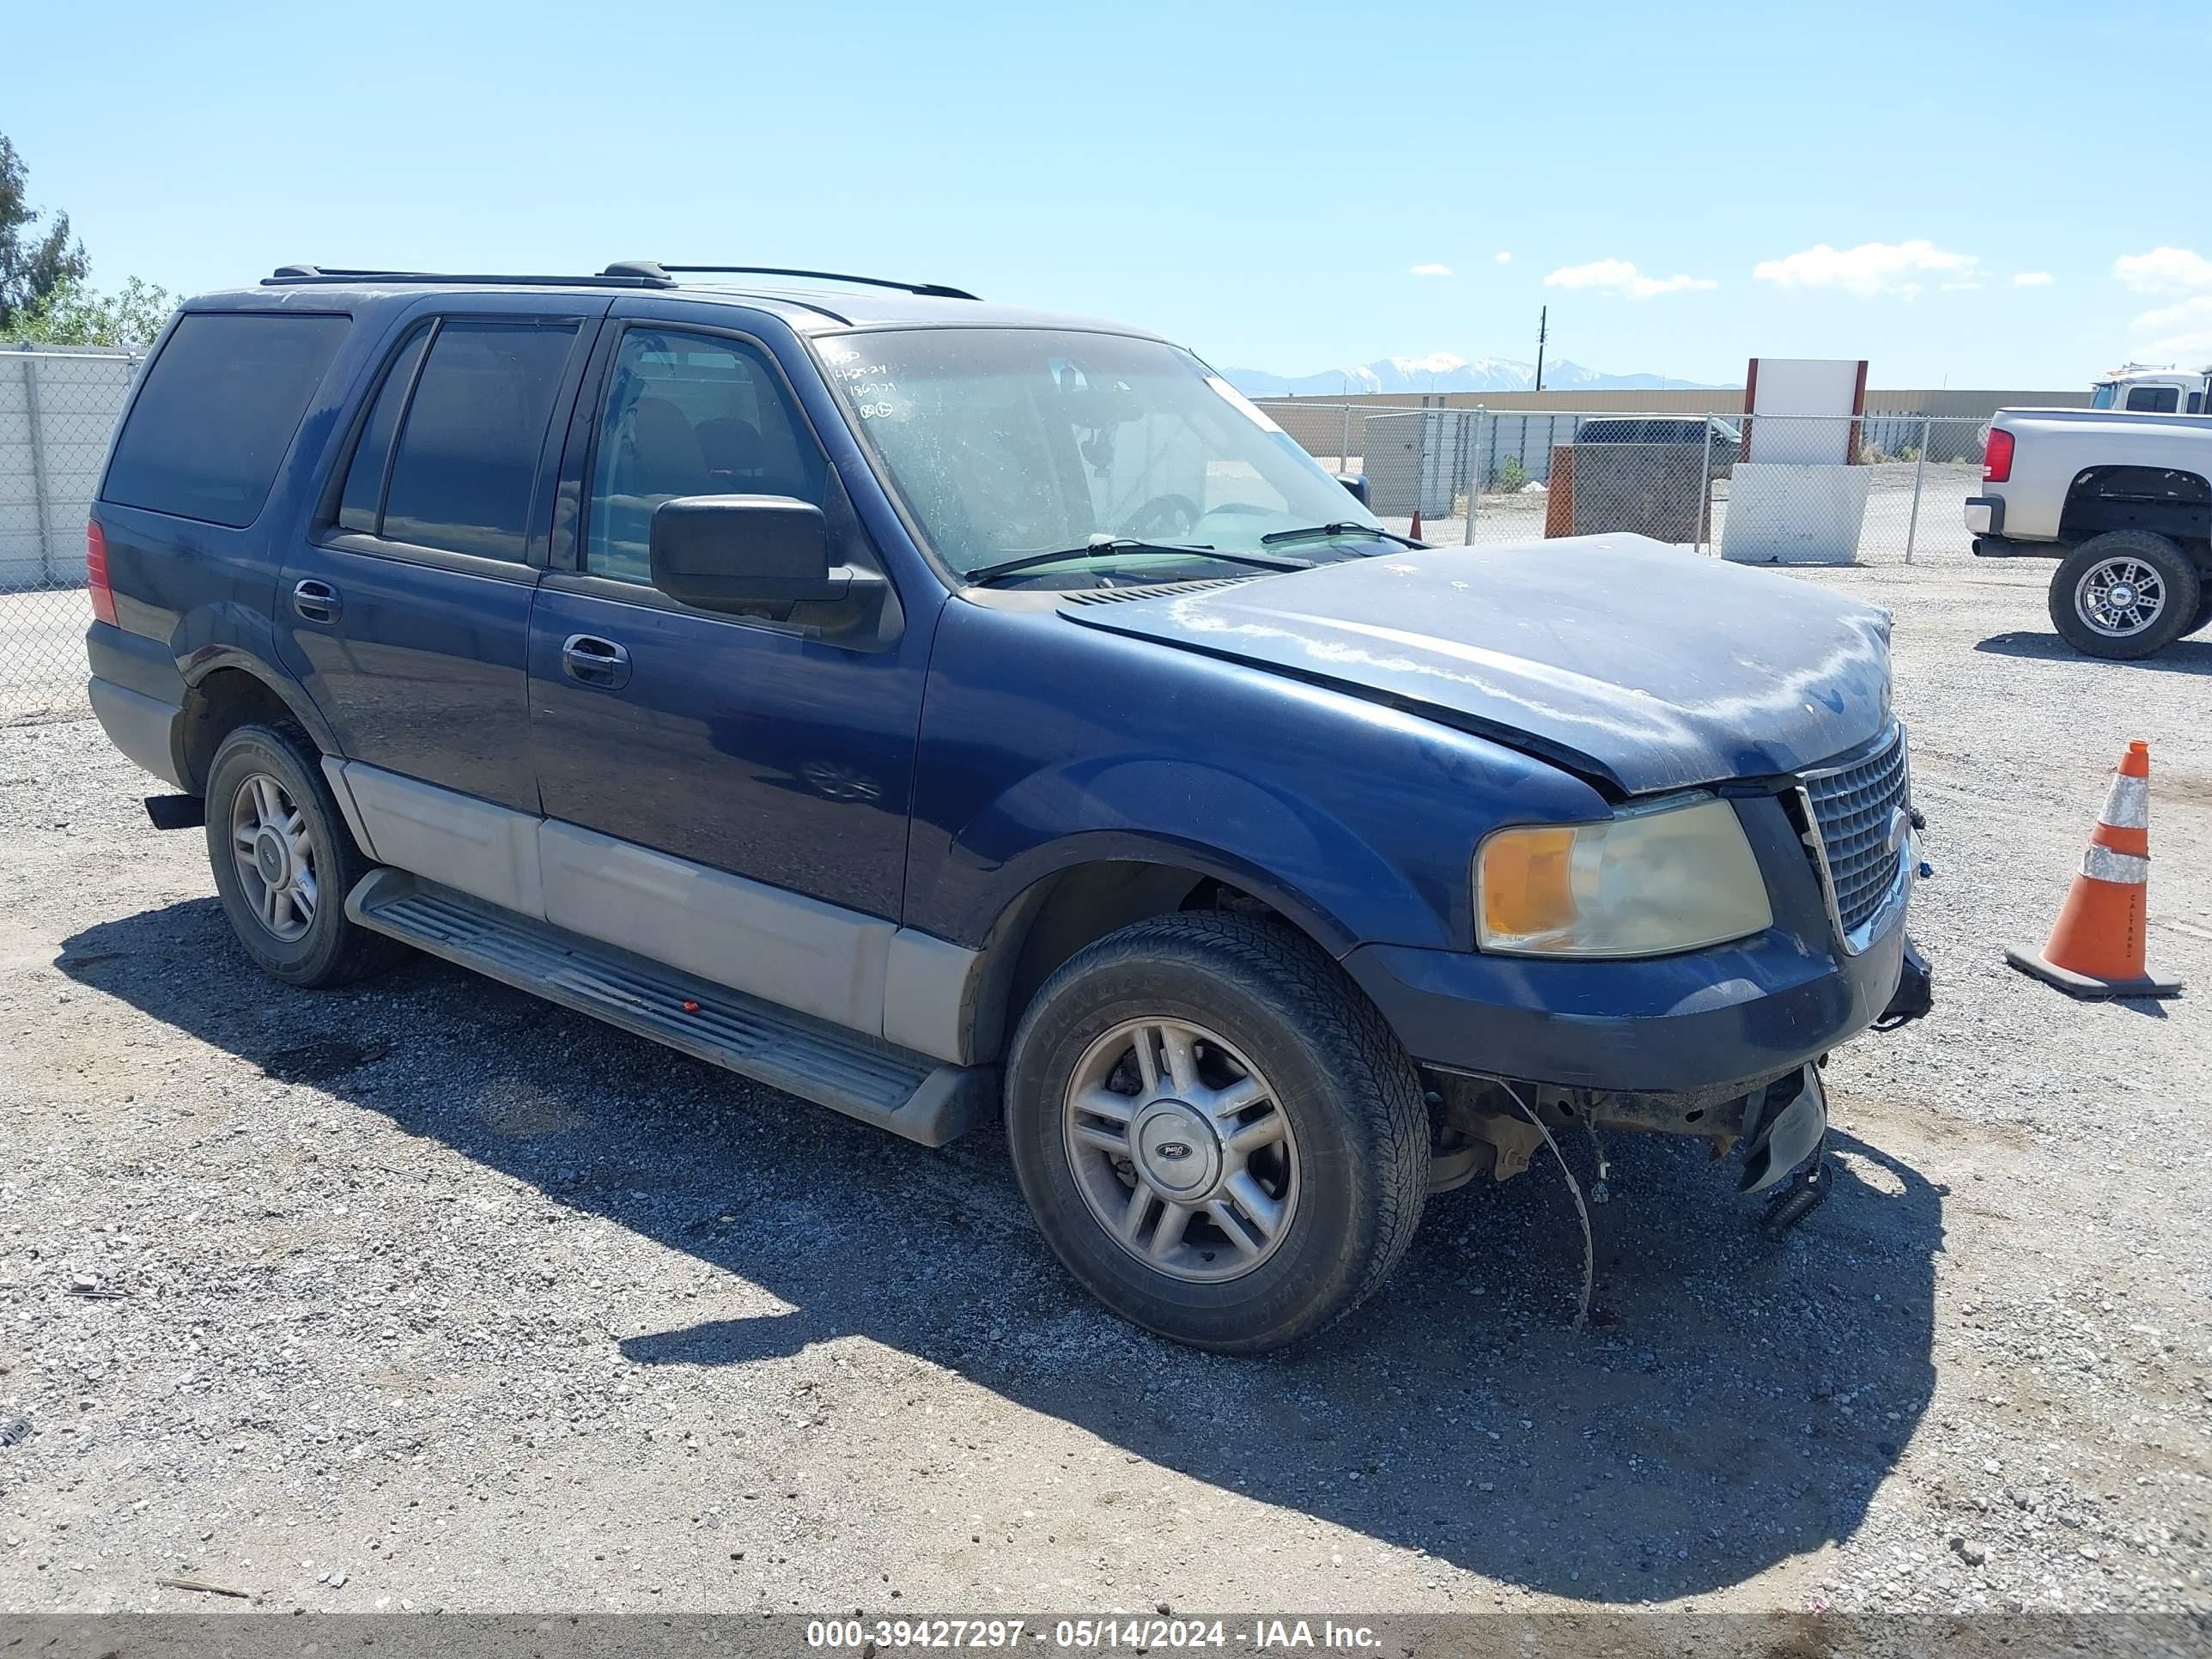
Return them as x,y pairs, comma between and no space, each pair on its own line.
1218,1133
2124,594
2203,619
284,860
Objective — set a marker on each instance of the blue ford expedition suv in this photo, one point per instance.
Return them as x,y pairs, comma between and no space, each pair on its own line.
932,708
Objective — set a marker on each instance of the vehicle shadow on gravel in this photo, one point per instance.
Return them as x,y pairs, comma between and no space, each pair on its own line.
1736,1406
2182,657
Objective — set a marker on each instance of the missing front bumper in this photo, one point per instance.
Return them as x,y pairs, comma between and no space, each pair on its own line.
1914,995
1789,1129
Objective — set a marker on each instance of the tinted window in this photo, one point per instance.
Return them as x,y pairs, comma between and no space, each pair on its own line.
2154,399
687,415
362,504
2196,402
217,412
467,459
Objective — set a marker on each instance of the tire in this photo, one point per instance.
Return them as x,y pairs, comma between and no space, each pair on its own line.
2155,579
311,943
2203,619
1335,1132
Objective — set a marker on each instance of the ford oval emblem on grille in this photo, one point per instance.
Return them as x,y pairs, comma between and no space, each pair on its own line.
1900,826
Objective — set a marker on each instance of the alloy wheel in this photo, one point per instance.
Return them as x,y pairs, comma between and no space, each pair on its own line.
275,857
1181,1149
2120,598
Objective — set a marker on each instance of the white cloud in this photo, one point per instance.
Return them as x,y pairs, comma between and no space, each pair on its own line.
1502,258
2034,279
1960,288
2164,270
2180,315
1870,268
1619,276
1431,270
2184,331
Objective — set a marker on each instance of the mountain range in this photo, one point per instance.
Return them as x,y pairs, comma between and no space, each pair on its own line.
1439,371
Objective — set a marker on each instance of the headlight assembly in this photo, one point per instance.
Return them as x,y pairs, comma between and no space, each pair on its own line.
1644,884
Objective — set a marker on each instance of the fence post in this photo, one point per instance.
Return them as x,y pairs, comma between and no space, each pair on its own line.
1344,443
1919,466
40,495
1474,477
1704,491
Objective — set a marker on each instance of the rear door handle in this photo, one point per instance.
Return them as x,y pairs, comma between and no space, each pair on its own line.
317,602
590,660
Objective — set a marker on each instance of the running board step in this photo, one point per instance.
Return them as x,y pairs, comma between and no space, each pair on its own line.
909,1094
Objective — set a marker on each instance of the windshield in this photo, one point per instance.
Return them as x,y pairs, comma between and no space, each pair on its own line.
1009,442
2103,396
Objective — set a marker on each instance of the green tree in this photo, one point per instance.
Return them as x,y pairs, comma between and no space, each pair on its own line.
74,314
32,262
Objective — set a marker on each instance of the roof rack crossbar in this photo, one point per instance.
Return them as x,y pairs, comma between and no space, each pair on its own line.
302,275
649,267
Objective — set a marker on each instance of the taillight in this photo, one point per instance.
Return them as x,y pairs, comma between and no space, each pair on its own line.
1996,458
95,573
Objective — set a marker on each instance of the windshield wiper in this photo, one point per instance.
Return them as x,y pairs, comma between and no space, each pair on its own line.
1342,527
991,573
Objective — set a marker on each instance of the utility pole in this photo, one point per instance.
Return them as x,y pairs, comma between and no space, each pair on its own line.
1543,320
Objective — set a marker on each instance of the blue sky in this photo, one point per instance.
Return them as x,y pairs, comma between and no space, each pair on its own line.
2009,193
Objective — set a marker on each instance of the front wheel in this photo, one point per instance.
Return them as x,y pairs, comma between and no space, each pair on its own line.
2124,594
1218,1133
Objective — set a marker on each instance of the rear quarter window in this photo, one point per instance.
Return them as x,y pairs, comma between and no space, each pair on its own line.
211,425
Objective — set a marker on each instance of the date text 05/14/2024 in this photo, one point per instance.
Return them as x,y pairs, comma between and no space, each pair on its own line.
1113,1633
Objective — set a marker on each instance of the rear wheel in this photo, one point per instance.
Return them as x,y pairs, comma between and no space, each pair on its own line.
2124,594
1218,1133
284,860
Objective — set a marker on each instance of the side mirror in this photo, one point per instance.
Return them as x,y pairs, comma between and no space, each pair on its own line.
732,552
1356,484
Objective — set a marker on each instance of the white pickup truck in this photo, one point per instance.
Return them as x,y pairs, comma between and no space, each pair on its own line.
2123,500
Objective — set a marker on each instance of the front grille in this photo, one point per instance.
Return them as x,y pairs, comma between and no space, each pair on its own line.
1852,809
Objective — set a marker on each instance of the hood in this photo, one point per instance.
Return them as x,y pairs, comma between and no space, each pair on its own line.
1624,659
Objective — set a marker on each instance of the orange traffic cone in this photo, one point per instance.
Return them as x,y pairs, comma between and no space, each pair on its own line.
2097,948
1414,529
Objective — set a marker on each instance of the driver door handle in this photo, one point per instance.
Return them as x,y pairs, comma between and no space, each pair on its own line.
590,661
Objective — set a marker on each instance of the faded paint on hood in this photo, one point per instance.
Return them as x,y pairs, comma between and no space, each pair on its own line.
1620,657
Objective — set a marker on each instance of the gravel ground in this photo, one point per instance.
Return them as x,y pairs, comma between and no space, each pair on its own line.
426,1294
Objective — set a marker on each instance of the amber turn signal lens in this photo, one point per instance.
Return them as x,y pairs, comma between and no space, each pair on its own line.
1527,884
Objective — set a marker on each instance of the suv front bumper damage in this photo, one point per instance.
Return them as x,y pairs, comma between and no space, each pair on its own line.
1778,1115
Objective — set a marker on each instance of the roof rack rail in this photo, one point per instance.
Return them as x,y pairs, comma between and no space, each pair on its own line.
651,269
292,275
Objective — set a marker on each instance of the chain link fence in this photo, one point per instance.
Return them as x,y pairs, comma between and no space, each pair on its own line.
1877,487
56,409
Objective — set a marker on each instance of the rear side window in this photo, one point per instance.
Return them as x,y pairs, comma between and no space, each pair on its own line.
465,466
212,424
362,506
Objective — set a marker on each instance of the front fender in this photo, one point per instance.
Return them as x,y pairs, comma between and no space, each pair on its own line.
1155,809
1045,745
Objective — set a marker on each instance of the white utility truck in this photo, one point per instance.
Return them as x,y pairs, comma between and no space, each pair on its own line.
2142,389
